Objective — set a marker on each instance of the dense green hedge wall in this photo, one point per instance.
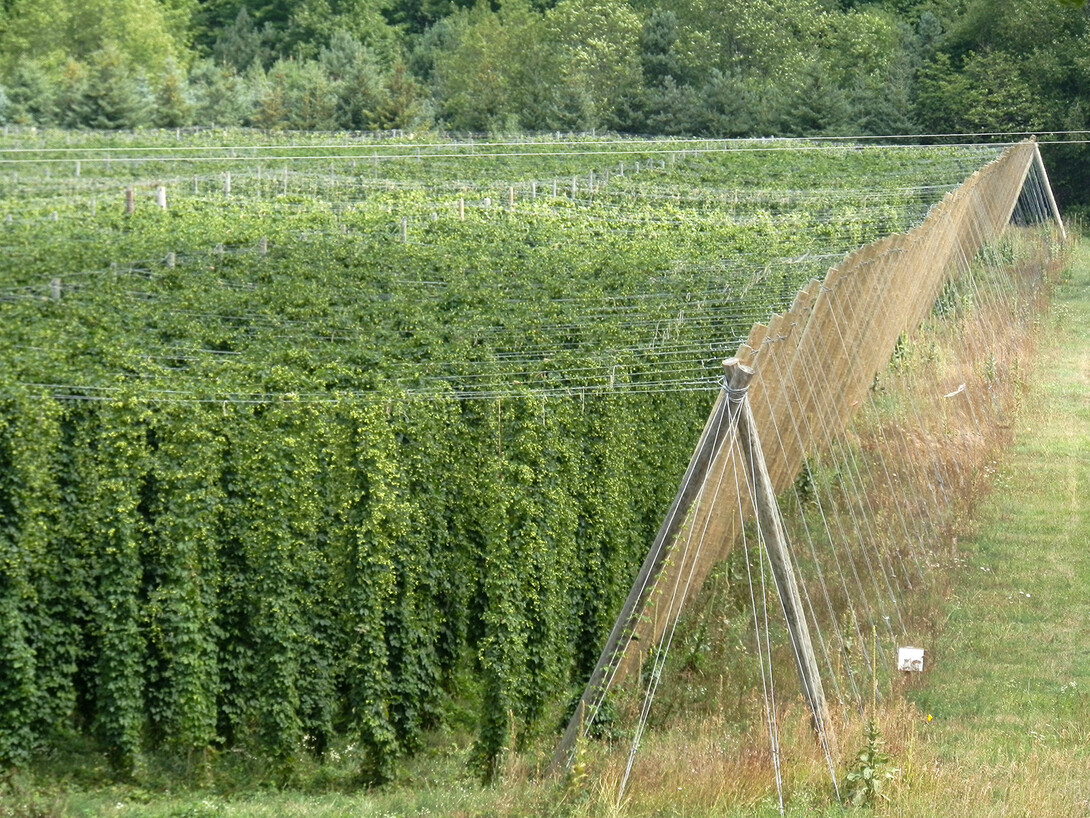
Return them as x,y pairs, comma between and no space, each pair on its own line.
277,574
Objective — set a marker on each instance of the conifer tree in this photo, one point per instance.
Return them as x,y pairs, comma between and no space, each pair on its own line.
115,96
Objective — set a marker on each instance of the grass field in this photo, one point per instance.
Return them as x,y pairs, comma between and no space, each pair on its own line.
1009,685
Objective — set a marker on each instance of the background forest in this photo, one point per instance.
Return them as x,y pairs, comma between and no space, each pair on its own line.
719,68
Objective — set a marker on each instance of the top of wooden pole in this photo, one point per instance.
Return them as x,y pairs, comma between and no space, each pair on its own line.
738,376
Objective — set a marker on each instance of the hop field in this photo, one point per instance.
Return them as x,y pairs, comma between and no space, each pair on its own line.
355,437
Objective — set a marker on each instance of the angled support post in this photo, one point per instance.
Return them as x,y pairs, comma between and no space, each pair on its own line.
716,432
1040,163
731,415
779,554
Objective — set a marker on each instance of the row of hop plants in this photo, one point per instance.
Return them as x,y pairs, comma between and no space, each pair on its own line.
279,576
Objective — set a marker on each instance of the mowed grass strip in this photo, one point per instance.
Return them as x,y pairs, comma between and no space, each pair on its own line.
1008,684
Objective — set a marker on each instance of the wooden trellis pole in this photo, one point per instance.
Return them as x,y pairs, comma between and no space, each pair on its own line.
716,433
779,554
731,416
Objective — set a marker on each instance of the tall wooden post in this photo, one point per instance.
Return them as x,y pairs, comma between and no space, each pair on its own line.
716,432
731,415
779,555
1040,163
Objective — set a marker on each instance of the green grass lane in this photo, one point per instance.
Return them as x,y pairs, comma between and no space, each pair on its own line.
1009,680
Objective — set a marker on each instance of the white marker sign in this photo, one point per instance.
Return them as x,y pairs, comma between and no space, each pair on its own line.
909,659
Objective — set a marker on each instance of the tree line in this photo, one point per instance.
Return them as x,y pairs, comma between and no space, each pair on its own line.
736,68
